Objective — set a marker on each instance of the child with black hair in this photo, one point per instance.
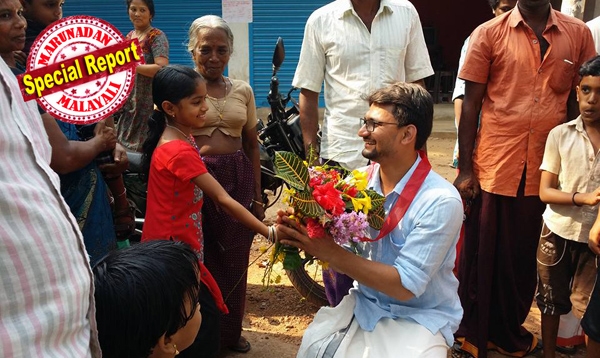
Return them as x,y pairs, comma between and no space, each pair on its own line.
177,176
147,300
570,185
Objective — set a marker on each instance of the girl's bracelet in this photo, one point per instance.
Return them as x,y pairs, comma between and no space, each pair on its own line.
274,232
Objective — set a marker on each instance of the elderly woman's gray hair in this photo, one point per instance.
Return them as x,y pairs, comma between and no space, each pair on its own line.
208,22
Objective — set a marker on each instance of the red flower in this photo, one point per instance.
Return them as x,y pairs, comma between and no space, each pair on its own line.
316,180
315,230
351,191
329,198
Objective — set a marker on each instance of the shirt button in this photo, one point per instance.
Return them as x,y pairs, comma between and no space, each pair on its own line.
535,41
531,131
540,70
536,100
591,159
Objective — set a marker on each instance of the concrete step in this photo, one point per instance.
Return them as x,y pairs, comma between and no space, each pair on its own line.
443,121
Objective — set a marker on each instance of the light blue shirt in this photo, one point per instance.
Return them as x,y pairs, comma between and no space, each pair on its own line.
422,249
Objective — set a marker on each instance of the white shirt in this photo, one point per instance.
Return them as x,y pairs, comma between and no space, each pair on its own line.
594,26
459,86
46,295
339,50
570,155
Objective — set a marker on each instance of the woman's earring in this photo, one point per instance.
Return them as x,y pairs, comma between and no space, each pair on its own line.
176,351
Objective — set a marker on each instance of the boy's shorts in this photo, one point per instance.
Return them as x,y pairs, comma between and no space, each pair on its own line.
591,319
566,275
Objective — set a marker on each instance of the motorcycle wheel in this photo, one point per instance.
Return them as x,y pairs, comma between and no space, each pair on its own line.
309,283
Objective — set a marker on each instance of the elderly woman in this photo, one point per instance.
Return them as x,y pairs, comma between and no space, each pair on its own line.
229,147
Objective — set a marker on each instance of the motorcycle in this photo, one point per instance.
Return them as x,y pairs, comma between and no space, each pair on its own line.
282,132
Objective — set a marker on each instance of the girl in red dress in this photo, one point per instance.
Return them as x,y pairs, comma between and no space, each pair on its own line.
178,179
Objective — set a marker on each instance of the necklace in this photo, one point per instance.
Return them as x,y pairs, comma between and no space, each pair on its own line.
215,102
189,138
141,34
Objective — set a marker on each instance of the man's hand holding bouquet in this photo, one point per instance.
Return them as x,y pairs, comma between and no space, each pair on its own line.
328,204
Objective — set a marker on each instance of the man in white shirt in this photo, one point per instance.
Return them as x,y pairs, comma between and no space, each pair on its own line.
355,47
594,26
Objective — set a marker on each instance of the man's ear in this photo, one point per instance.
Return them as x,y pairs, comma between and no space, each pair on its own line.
409,135
25,4
163,348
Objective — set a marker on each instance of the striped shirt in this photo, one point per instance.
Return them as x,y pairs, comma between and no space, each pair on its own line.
46,293
340,52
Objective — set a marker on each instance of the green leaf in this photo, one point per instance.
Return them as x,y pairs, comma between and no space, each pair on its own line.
292,258
305,203
376,218
290,168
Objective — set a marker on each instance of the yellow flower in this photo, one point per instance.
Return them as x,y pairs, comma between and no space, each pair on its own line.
289,194
359,180
263,249
363,204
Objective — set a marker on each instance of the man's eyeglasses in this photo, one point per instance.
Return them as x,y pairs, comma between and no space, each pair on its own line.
371,124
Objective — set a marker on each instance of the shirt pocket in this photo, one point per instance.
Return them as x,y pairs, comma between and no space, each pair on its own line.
561,79
392,69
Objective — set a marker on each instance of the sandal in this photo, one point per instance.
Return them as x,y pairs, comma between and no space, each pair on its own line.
459,353
242,346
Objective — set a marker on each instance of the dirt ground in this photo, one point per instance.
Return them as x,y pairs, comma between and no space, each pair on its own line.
277,317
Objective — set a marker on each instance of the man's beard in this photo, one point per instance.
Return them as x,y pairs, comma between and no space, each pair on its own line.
370,154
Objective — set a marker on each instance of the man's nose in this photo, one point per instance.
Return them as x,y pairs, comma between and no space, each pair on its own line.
362,131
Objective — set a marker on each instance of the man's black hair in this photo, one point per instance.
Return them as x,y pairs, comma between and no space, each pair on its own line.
141,294
493,4
412,105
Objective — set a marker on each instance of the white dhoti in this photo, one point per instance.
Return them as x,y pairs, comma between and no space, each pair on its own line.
334,333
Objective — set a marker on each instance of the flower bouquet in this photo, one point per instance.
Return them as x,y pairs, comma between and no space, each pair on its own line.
328,200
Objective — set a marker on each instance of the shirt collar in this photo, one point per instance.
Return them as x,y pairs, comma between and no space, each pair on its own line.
347,8
516,18
375,182
578,123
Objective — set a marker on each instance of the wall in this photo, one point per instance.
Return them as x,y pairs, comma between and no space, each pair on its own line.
454,21
239,63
